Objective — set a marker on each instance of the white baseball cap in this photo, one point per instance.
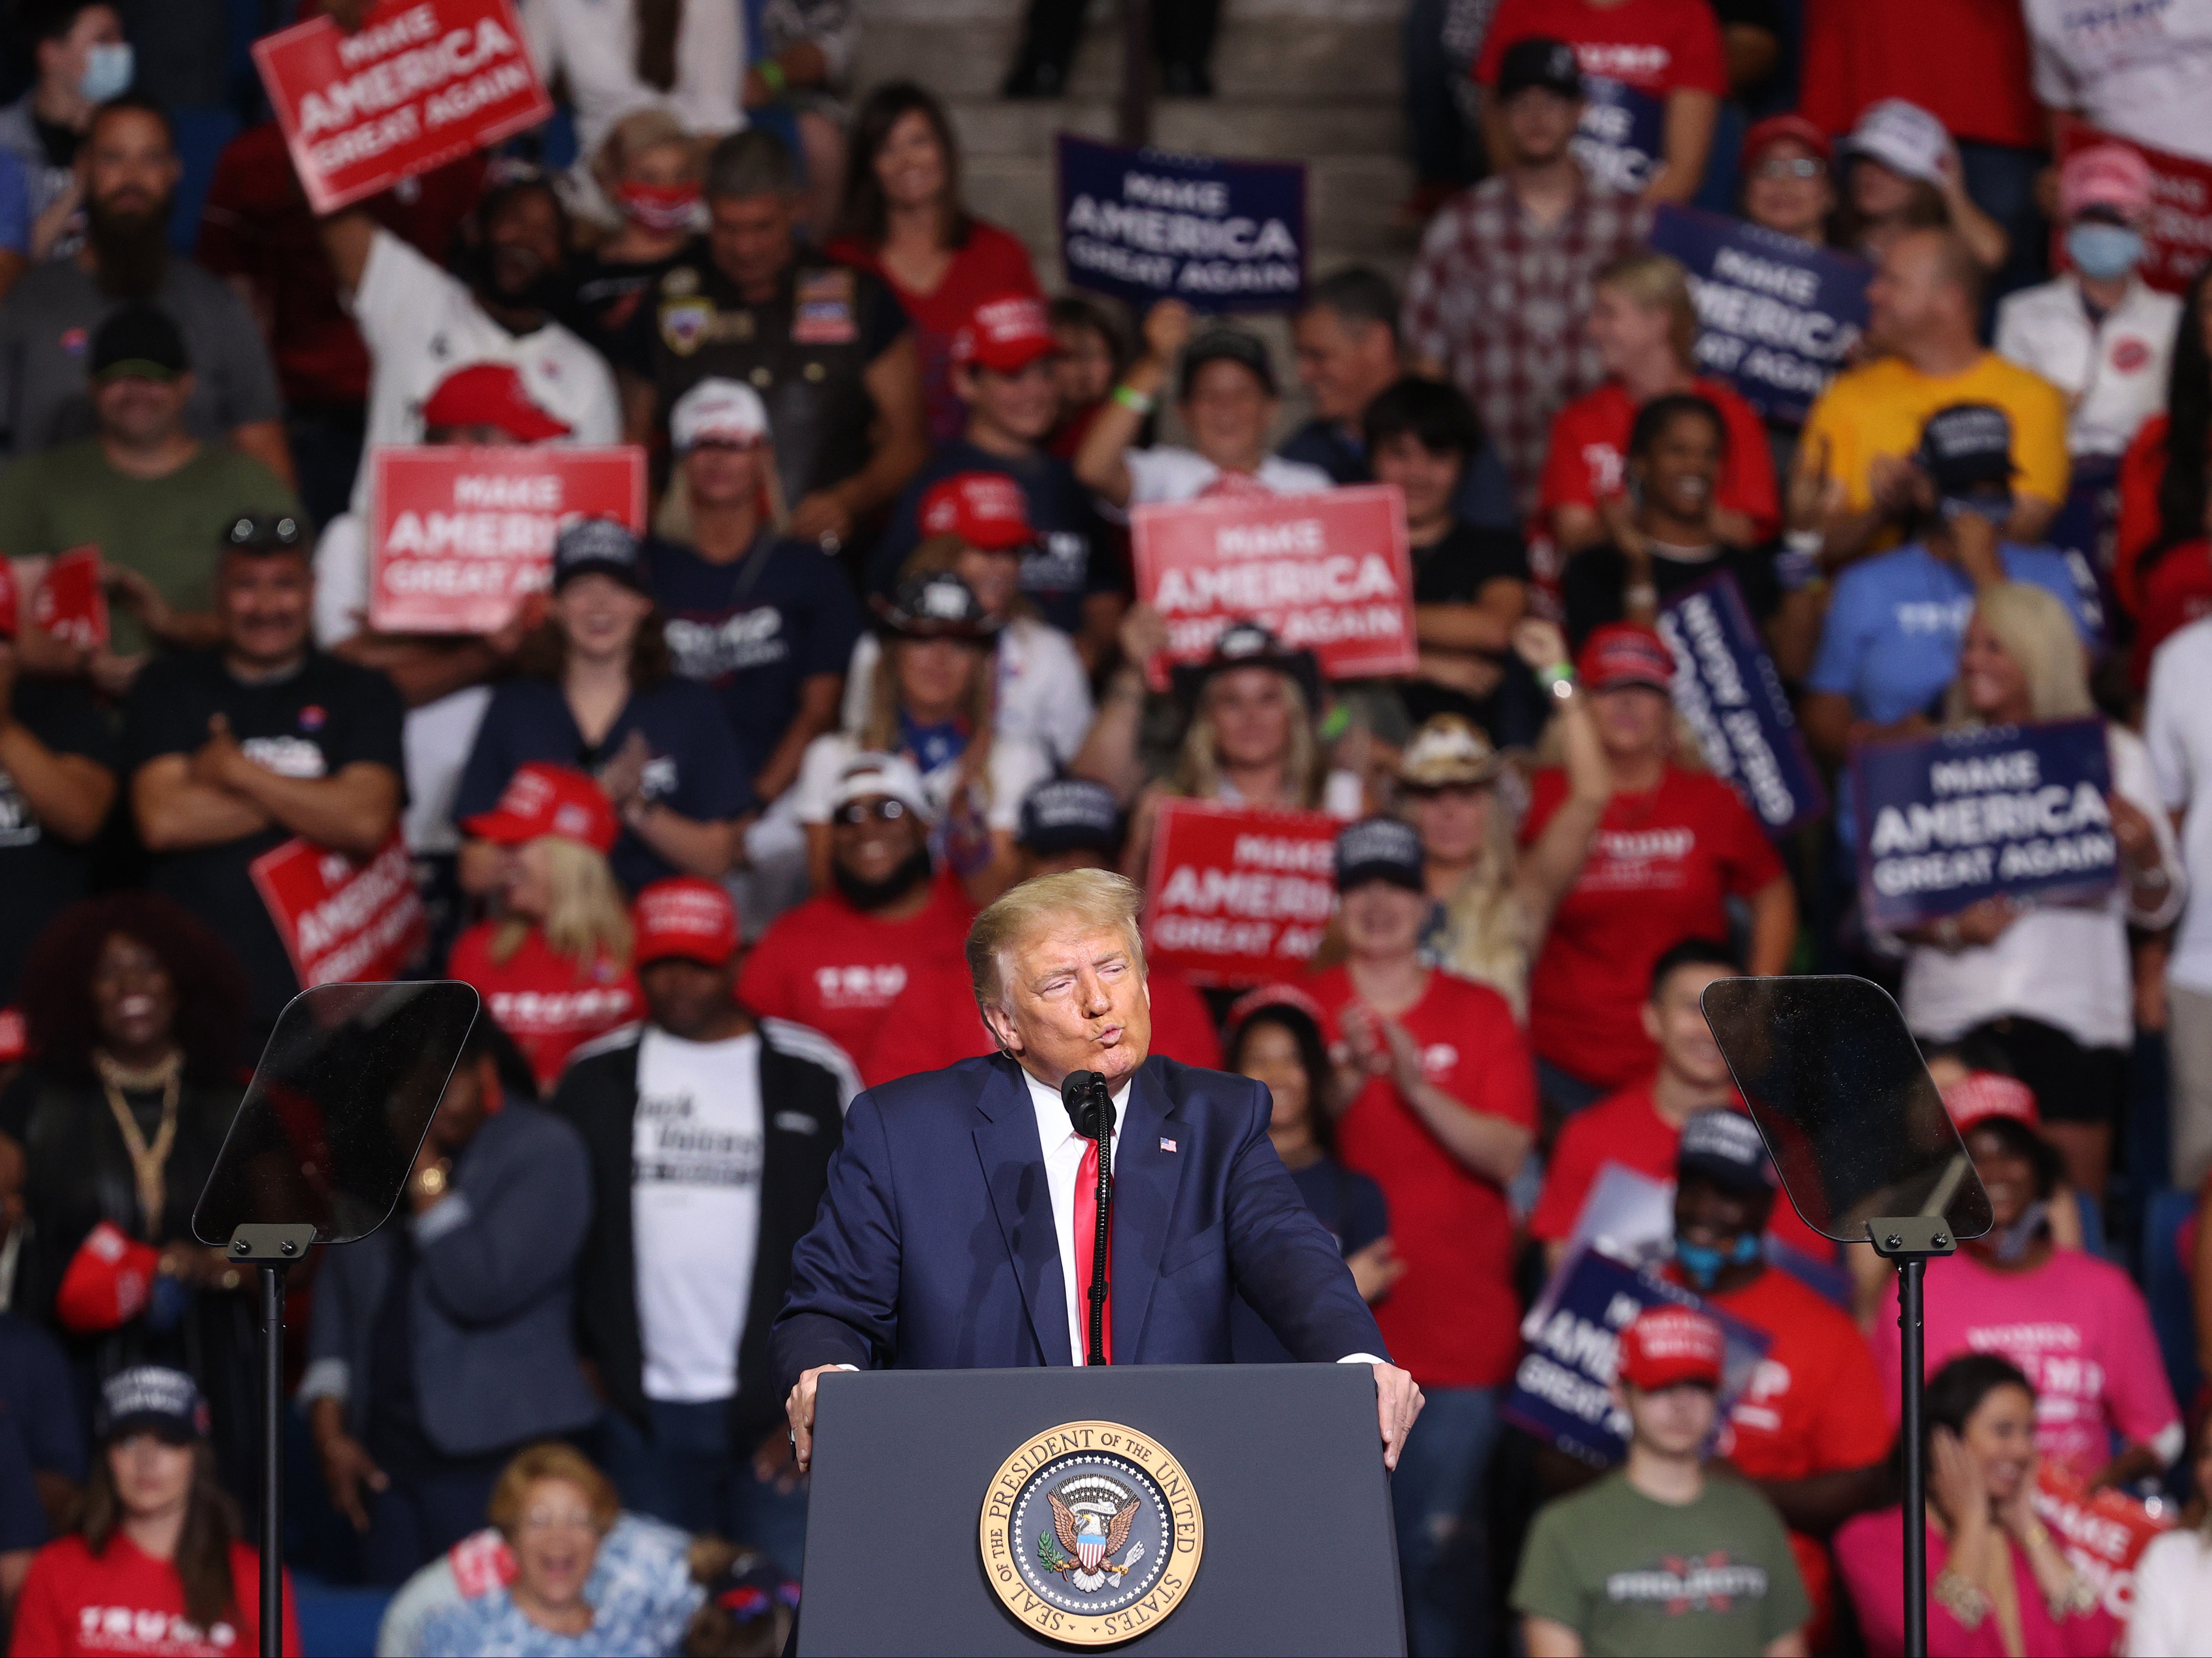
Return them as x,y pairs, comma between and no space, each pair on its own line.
1902,137
718,411
871,774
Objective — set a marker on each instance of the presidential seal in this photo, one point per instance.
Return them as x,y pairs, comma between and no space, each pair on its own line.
1091,1533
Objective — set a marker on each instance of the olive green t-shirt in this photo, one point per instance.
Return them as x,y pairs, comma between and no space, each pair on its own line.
167,529
1634,1576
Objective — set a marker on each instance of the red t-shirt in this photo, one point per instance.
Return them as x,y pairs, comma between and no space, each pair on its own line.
1626,1128
2175,590
1590,438
77,1603
992,264
1654,46
828,966
1660,870
547,1003
1964,61
257,225
934,1023
1453,1320
1812,1406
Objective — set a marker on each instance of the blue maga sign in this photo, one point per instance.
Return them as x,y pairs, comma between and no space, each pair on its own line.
1562,1389
1776,316
1143,225
2009,810
1621,135
1730,692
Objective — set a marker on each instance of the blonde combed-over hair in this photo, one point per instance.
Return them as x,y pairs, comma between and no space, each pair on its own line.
1087,897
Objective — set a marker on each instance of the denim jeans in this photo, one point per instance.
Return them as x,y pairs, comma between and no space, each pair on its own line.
1436,1499
682,1468
2001,179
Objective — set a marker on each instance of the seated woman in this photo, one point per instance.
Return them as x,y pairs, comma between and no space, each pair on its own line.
552,1509
2074,1323
155,1533
595,689
2049,986
935,701
1646,330
1789,182
1494,897
1251,736
552,962
1901,172
1997,1581
1274,1038
1670,530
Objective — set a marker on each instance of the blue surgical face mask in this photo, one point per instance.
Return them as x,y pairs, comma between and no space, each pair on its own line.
1703,1266
108,68
2102,251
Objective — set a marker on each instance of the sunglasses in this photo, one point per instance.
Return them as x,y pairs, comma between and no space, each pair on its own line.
883,810
1795,167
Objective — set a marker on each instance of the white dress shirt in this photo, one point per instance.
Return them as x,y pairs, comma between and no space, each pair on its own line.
1063,1163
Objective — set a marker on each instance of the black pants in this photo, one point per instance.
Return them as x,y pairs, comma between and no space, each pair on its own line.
1183,33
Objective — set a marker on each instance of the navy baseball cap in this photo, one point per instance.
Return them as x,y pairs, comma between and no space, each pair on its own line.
1966,447
1380,849
1070,814
151,1398
1724,1146
1538,61
599,546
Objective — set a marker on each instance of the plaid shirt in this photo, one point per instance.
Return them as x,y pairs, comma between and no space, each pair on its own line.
1497,301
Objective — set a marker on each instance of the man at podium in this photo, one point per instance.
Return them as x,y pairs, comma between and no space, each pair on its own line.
957,1230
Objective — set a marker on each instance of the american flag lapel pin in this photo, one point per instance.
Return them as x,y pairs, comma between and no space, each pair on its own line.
1166,1145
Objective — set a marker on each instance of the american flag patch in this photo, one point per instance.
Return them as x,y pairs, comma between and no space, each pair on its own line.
1166,1145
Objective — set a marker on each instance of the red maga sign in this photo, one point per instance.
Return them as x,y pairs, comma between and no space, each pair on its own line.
417,86
71,602
1331,574
459,537
343,920
2179,238
1238,895
2103,1533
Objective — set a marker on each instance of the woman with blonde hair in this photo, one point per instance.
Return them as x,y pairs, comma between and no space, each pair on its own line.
934,700
648,167
2048,985
1493,898
1645,329
553,1508
553,961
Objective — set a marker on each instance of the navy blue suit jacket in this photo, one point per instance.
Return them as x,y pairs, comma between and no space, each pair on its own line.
934,1248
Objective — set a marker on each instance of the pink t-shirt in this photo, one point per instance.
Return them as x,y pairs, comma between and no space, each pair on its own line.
2079,1331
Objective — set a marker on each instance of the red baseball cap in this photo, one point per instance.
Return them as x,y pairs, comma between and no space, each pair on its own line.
490,394
1776,127
1626,653
1667,1347
1006,334
685,915
1979,1096
547,800
108,1281
986,510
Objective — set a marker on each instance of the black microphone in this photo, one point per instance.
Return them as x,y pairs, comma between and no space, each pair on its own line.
1090,1105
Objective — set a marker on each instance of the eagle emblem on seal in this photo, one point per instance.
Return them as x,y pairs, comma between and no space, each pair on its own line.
1092,1516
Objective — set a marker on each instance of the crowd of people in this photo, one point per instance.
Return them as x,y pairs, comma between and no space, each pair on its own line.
706,821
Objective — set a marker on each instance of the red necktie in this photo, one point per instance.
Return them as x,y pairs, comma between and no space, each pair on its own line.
1086,1239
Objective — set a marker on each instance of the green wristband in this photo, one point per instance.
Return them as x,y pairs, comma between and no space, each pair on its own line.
772,72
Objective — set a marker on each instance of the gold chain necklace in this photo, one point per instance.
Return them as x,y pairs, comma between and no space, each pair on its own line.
147,1161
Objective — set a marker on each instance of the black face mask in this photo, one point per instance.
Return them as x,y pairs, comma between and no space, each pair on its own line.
131,250
869,896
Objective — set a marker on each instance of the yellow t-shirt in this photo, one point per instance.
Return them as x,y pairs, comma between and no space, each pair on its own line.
1879,408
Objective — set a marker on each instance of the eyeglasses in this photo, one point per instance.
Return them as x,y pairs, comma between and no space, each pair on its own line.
265,530
554,1520
883,810
1794,167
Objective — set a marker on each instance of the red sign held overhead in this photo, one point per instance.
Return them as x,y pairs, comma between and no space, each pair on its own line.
417,86
458,537
2177,237
1331,574
343,921
1238,895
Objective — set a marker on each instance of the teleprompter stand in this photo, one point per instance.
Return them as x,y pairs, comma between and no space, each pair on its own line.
1909,1243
